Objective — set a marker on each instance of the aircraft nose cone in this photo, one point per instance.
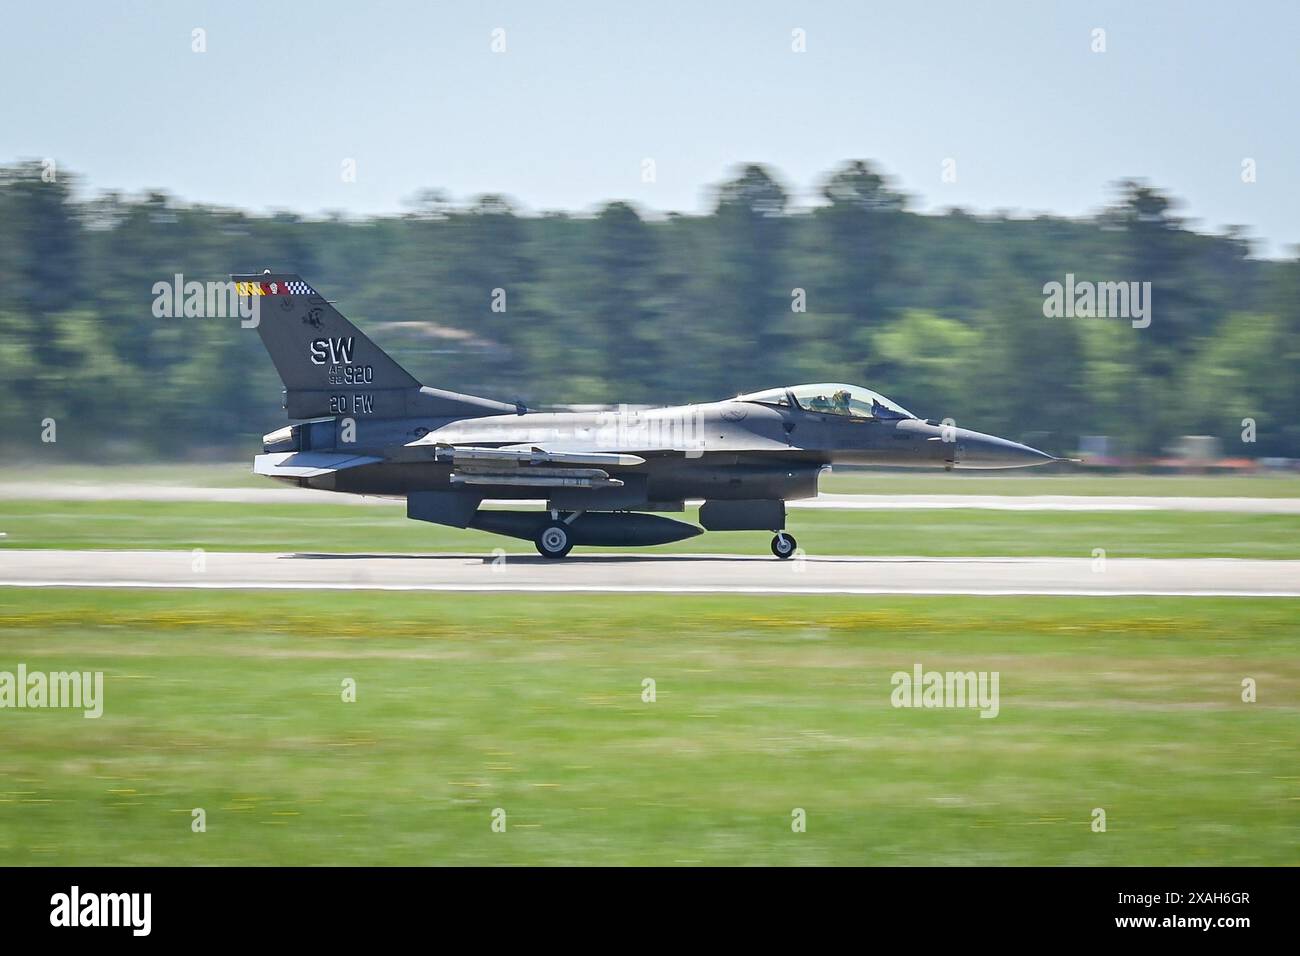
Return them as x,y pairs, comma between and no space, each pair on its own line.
977,450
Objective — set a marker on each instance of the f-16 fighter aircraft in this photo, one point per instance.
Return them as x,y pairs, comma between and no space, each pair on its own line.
365,426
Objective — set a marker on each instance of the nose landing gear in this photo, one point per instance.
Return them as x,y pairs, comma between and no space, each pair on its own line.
784,545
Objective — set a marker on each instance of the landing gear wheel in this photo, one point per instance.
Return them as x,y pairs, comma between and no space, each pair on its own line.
783,545
553,541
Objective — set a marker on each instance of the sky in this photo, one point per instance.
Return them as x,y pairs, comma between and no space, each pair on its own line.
415,97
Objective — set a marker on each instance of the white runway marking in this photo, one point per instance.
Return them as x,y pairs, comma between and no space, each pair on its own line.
1050,503
668,574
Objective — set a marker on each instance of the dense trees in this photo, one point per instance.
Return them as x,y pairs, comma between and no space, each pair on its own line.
942,312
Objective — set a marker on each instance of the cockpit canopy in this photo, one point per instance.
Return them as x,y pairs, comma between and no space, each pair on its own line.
831,398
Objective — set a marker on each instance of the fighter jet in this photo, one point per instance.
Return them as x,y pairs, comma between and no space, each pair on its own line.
361,424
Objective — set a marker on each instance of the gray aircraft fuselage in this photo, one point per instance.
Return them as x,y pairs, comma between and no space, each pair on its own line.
365,426
729,449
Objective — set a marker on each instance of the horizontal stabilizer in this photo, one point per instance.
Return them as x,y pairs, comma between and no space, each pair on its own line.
307,464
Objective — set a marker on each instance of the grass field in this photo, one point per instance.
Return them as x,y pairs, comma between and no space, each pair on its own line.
841,481
466,703
533,704
348,528
212,475
1028,482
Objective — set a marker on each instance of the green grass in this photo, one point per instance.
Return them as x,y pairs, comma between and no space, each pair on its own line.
354,528
466,703
221,474
1031,482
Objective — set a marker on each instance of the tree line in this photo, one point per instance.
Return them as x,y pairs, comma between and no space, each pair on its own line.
944,313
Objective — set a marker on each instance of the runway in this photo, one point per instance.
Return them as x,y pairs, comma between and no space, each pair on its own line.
273,495
668,573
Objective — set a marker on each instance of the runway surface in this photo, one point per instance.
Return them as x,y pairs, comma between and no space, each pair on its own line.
677,573
273,495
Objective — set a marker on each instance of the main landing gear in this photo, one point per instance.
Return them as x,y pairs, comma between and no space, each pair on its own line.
553,541
784,545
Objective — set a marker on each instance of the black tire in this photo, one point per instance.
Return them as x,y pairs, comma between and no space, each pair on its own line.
553,541
784,545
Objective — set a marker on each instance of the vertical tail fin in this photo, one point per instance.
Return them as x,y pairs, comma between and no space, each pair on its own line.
330,368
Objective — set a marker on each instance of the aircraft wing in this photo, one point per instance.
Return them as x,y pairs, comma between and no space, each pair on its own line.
525,454
532,466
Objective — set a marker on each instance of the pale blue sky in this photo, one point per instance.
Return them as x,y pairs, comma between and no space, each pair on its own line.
587,90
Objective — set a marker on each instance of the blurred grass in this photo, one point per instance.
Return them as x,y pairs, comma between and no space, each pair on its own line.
1027,482
380,528
844,480
231,702
212,475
